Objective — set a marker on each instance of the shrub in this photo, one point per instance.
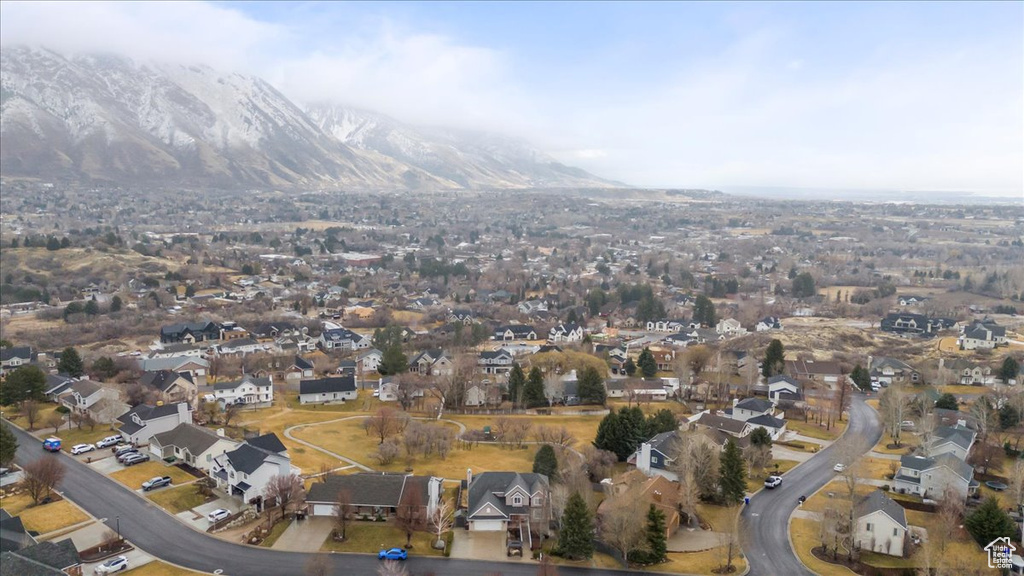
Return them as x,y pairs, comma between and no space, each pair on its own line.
62,409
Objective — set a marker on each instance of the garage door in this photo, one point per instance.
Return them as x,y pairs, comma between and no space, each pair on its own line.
487,525
323,510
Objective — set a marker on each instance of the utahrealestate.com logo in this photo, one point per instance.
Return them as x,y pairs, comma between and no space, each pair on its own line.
1000,553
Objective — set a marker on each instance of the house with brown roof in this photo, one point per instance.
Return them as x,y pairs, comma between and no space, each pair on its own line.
658,491
822,371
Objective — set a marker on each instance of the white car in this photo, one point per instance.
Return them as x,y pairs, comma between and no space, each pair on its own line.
839,467
772,481
112,565
82,448
108,442
218,515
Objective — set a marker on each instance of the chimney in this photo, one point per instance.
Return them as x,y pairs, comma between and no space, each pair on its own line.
643,462
735,401
469,477
657,496
433,495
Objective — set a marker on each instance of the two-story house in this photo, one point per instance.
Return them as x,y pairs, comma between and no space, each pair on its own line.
530,307
191,444
730,327
514,332
431,363
246,470
250,391
931,477
886,371
955,440
967,373
982,335
334,337
749,408
824,371
171,386
369,361
190,332
782,388
566,333
496,362
881,525
14,358
84,396
196,367
500,501
654,456
139,424
768,323
328,390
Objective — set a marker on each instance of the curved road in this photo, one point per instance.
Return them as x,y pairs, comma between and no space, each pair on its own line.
163,536
765,534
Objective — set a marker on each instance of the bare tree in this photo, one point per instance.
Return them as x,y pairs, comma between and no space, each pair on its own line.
384,423
698,357
30,410
697,457
342,511
729,539
758,457
442,521
985,455
621,526
894,405
54,420
843,395
599,462
414,439
984,414
137,393
518,431
386,452
230,412
210,411
409,513
555,436
407,388
951,510
319,565
1017,484
281,491
41,476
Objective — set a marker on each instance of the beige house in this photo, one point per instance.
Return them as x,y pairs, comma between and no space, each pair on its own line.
881,525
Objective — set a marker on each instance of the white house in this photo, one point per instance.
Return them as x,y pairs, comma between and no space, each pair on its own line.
369,361
768,323
776,427
782,387
250,391
334,337
327,390
514,332
141,423
532,306
750,407
881,525
730,327
985,335
193,445
496,362
246,470
432,362
14,358
82,395
566,333
931,477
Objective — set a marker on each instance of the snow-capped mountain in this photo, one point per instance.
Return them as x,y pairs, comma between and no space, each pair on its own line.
108,118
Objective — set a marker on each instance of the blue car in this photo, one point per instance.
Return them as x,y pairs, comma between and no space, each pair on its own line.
393,554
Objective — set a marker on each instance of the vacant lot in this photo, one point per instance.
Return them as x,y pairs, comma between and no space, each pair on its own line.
134,476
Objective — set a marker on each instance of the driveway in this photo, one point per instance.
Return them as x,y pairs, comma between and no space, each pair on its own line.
196,517
695,540
305,535
479,545
106,466
11,478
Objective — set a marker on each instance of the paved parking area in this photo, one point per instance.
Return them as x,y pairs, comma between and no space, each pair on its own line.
106,465
305,535
479,546
136,558
196,517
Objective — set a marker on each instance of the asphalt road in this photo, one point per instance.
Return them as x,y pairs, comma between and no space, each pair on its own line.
163,536
765,522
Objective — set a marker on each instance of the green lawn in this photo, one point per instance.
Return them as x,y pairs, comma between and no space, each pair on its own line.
177,499
276,532
371,537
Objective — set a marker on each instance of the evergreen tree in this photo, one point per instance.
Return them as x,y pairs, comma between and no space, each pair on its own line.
25,383
629,366
591,387
575,539
545,462
115,304
52,243
704,311
8,445
760,437
71,363
91,308
1008,416
861,378
393,361
989,522
610,436
104,368
634,427
646,363
533,392
733,474
774,359
947,402
657,547
1009,370
803,285
516,383
663,421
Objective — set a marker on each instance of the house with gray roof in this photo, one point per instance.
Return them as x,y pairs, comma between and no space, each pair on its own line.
931,477
196,367
327,390
655,455
982,335
57,384
249,391
776,427
749,408
171,386
193,445
43,559
246,470
496,362
955,440
15,357
886,371
13,535
881,525
504,501
86,396
142,422
374,494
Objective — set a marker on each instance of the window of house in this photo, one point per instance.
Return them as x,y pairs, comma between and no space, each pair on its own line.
895,531
517,500
868,527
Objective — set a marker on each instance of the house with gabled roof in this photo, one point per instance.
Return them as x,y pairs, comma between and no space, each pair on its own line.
190,332
82,395
881,525
723,424
171,386
15,357
888,371
140,423
369,361
328,390
931,477
334,337
825,371
246,470
57,384
250,391
656,491
768,323
431,363
782,388
955,440
46,558
376,494
968,373
500,501
984,335
750,408
776,427
512,332
191,444
498,361
654,456
195,366
568,332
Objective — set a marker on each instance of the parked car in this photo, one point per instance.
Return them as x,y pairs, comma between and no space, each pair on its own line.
82,448
120,450
772,481
156,483
839,467
112,565
393,554
127,454
51,444
218,515
136,459
108,442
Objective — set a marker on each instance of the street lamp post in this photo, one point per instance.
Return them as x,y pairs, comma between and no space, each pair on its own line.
117,520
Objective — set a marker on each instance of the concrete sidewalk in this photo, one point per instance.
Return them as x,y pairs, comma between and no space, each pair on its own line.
305,535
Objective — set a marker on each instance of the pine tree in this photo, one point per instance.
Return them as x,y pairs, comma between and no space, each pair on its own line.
989,522
646,363
610,437
533,392
733,474
8,445
657,547
663,421
591,387
760,437
861,378
516,382
70,363
545,462
634,428
774,359
1009,370
947,402
629,367
575,539
115,304
393,361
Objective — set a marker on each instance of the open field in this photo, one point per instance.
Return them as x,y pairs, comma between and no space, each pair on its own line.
134,476
177,499
583,428
277,418
53,516
371,537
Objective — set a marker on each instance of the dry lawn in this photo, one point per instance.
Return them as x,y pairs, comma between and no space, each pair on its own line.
21,422
804,535
83,436
157,568
704,562
372,537
814,430
820,500
957,390
53,516
583,428
278,418
718,518
134,476
177,499
14,504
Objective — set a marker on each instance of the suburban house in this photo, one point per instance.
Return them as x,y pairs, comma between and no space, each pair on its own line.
180,350
566,333
191,444
171,386
955,440
373,495
271,331
240,347
194,366
13,535
532,306
478,394
496,362
968,373
57,384
725,425
14,358
515,332
388,390
460,316
246,470
782,388
46,558
827,372
141,423
334,337
190,332
730,327
657,490
665,325
776,427
982,335
910,300
930,477
768,323
888,371
749,408
431,363
369,361
250,391
327,390
881,524
655,455
299,369
84,396
516,502
232,331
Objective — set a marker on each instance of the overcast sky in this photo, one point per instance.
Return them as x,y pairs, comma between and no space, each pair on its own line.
881,95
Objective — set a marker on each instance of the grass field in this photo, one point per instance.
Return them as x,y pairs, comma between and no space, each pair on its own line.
960,389
20,420
276,532
53,516
820,500
804,534
158,568
704,562
371,537
134,476
276,419
177,499
583,428
16,503
813,430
